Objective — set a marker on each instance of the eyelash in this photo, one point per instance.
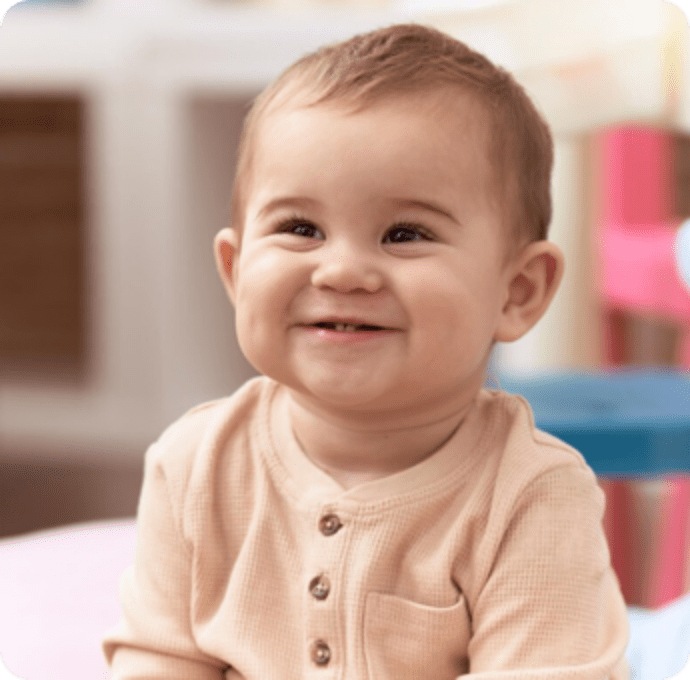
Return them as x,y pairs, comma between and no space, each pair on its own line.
422,232
288,226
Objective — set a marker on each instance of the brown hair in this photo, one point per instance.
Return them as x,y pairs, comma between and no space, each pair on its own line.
410,58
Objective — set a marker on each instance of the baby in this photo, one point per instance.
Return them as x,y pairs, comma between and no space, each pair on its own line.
365,508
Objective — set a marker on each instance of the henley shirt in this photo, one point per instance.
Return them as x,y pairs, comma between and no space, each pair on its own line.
487,558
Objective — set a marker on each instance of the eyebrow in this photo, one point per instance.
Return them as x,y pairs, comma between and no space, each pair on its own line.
303,202
286,202
425,205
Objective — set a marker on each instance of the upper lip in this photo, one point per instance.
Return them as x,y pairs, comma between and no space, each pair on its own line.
348,320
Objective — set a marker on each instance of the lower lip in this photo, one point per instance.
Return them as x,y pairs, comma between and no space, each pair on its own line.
346,337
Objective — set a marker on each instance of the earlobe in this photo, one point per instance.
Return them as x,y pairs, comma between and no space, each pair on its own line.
532,282
225,251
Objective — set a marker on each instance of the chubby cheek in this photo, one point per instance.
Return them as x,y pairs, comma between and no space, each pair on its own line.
454,322
263,301
261,344
256,322
245,328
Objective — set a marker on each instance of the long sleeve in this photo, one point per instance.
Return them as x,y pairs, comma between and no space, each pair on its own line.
551,606
155,640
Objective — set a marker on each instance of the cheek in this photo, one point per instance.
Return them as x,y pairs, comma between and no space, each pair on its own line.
258,335
262,278
439,299
265,289
454,315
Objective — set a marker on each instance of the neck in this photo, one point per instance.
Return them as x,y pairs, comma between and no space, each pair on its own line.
357,449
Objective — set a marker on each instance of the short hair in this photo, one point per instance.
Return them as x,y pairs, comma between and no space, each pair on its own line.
410,59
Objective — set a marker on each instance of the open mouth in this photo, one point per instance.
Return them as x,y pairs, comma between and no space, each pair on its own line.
347,327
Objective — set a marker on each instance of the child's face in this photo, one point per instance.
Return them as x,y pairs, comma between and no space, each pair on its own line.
371,273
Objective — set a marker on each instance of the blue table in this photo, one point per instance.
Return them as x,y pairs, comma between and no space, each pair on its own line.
632,423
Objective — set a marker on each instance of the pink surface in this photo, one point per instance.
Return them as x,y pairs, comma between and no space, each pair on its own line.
636,242
636,236
648,530
671,558
637,179
58,597
639,271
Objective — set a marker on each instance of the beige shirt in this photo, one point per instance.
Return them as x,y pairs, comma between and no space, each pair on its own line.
487,558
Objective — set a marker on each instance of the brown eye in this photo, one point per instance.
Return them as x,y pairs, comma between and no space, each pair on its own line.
300,227
402,233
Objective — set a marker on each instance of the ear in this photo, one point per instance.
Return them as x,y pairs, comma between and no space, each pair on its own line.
225,249
532,281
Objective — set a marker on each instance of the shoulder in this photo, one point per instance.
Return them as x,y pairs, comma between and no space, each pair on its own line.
205,430
532,463
521,439
536,488
206,457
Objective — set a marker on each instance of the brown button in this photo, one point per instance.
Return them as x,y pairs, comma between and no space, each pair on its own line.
320,653
329,525
319,587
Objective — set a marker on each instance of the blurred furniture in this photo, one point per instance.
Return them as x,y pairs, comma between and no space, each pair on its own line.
633,428
41,235
37,494
645,189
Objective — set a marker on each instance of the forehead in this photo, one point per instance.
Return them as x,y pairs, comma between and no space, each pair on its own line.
439,135
452,104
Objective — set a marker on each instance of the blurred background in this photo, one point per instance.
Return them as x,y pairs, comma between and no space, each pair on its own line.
119,121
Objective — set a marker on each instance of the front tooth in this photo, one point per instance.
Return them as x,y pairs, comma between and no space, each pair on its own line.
340,327
350,328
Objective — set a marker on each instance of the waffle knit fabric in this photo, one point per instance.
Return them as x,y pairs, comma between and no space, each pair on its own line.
487,558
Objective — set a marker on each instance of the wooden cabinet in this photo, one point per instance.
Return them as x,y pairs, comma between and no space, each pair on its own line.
42,326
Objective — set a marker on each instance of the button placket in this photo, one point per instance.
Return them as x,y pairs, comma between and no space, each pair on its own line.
321,590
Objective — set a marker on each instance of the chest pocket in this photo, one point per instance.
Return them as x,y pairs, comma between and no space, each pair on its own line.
409,641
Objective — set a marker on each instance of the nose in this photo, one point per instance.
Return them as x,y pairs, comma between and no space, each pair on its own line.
346,269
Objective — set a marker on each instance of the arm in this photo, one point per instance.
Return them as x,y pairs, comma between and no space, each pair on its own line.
155,639
550,606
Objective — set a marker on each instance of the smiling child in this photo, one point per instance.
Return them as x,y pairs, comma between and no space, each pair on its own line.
365,509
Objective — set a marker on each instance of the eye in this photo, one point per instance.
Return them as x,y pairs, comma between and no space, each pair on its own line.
402,233
300,227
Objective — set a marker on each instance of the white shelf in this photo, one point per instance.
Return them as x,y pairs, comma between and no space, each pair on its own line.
199,44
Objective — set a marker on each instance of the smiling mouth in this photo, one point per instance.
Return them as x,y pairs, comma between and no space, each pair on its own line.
347,327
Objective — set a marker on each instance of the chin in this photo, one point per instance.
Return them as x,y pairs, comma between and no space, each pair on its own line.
343,397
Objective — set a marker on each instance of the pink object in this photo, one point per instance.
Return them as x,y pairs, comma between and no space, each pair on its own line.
637,175
639,271
668,575
639,275
619,534
58,597
636,239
